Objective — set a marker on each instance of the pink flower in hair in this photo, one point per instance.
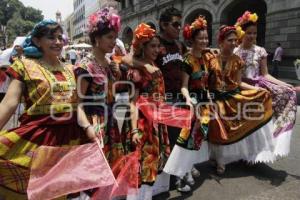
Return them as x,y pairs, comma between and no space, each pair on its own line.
93,20
104,18
115,22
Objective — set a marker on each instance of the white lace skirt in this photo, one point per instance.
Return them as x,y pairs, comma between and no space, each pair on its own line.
282,143
182,160
257,147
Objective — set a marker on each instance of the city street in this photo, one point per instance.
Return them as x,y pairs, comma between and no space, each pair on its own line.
119,68
277,181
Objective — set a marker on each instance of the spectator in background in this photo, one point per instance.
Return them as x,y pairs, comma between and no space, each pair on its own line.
16,54
277,58
73,55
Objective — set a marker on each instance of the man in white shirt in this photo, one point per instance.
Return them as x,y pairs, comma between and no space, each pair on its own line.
73,56
277,58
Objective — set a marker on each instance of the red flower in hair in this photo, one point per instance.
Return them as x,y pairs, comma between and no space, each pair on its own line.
199,23
224,31
187,32
142,34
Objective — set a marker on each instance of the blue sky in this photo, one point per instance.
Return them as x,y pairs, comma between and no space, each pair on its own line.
49,7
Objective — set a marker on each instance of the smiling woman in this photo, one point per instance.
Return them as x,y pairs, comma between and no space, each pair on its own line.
49,89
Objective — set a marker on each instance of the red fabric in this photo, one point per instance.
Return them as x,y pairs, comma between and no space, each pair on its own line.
13,74
3,77
162,113
38,130
58,171
127,178
45,130
59,76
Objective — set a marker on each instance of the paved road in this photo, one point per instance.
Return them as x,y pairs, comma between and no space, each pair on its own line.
277,181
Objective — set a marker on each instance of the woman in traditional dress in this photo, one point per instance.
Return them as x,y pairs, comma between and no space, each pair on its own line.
150,137
242,126
256,73
187,151
49,90
96,75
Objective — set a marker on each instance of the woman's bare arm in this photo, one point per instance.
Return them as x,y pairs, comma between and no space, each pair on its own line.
10,101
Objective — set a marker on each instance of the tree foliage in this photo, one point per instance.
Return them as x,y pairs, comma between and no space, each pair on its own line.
17,18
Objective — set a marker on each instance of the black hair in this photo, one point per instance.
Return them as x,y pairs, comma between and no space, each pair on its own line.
50,29
140,53
99,32
278,44
226,34
167,16
248,24
42,31
195,33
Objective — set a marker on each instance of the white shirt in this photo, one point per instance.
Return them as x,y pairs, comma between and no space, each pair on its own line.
278,54
73,55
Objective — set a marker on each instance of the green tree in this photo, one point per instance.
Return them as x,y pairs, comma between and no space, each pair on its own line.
8,8
31,14
17,19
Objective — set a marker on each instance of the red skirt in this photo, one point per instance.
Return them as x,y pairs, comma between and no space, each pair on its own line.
18,145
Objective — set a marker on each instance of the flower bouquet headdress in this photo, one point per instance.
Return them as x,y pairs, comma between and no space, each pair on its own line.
244,19
199,23
103,18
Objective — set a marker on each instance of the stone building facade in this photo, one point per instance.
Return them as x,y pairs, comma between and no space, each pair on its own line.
79,18
279,20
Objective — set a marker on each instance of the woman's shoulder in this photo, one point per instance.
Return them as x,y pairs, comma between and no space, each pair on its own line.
25,63
237,49
208,54
235,57
260,50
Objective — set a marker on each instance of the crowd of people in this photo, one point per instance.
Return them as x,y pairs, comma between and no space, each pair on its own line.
185,104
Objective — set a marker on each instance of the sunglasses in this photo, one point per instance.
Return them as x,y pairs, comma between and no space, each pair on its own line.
175,24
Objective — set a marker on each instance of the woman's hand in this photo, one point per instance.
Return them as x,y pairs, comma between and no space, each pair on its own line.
189,102
134,75
91,133
136,138
115,69
260,89
137,135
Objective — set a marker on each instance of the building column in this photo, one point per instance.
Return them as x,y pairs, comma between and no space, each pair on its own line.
215,28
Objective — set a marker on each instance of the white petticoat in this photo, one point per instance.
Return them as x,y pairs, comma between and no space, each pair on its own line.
282,143
255,148
182,160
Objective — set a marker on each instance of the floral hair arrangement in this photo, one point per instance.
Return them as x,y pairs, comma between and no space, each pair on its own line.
244,19
103,18
29,48
224,31
143,33
199,23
